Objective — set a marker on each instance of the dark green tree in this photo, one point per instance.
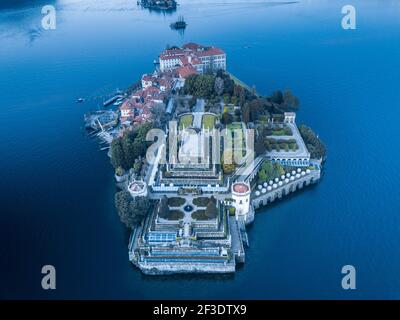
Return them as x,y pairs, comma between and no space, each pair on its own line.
290,102
117,154
314,145
163,209
211,210
277,97
219,86
131,211
228,86
226,118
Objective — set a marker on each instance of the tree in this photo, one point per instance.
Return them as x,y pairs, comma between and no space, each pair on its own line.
256,109
160,117
137,166
290,102
131,150
226,118
259,146
131,211
139,207
228,86
219,86
163,209
211,210
190,84
212,199
270,171
205,86
277,97
126,150
246,113
117,154
221,73
200,85
314,145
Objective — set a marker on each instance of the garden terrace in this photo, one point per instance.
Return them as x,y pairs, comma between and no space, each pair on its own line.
208,121
201,201
200,215
278,130
176,201
185,121
175,215
281,144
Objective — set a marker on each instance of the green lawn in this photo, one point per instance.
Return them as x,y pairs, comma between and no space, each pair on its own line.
176,201
201,201
200,215
175,215
208,121
186,120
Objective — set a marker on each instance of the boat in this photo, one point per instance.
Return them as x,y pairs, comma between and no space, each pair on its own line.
179,24
80,100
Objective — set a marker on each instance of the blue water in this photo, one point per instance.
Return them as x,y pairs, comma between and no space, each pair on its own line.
57,187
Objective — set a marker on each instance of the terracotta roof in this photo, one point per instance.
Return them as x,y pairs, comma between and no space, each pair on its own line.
147,77
212,51
191,46
240,187
186,71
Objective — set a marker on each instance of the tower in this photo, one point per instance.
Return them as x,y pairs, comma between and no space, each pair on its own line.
241,198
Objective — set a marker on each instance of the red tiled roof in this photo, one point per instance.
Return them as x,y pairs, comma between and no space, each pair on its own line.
191,46
172,54
212,51
147,77
186,71
196,61
240,188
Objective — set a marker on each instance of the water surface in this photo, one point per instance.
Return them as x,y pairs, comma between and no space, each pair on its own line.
57,187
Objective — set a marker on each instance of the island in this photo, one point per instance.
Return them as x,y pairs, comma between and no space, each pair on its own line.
159,5
196,152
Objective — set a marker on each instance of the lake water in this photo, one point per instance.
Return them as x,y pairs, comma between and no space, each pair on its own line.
57,188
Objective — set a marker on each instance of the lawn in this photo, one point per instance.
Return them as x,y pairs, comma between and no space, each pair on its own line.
200,215
175,215
208,121
201,201
186,120
176,201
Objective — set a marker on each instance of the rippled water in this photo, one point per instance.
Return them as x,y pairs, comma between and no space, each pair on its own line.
57,187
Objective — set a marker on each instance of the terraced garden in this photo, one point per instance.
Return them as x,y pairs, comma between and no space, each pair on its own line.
208,121
185,121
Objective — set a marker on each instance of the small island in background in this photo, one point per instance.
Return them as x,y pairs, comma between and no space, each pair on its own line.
190,215
164,5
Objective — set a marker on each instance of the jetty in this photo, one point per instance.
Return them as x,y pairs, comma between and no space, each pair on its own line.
113,99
